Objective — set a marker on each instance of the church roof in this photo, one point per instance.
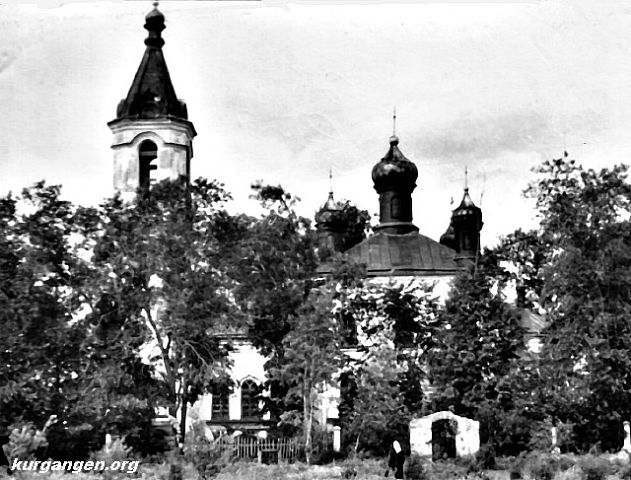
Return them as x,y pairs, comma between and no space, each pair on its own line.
412,253
151,94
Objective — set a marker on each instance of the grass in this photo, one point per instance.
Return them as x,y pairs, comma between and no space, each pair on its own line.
366,470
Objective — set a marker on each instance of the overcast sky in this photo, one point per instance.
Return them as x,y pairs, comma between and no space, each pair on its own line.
284,91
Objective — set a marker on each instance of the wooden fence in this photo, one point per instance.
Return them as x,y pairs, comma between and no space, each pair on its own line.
262,450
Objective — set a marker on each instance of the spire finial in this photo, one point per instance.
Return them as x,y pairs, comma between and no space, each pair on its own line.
154,23
394,140
394,121
466,179
331,181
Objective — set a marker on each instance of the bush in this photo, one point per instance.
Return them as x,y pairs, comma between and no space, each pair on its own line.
207,457
542,467
442,470
25,442
117,450
594,468
415,468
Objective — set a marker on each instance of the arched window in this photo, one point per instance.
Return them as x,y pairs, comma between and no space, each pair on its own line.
249,399
147,153
220,405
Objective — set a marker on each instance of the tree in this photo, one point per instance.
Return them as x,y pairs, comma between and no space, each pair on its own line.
41,355
158,265
577,269
312,359
273,267
384,382
478,338
56,360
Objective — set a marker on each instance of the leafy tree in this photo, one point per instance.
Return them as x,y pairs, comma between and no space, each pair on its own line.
53,363
478,339
575,270
273,268
379,413
353,223
312,360
395,324
159,273
39,357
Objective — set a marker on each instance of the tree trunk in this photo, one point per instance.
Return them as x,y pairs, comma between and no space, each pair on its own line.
183,412
307,425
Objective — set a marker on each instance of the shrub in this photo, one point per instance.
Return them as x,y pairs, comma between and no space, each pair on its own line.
594,468
207,457
117,450
542,467
442,470
415,468
572,473
25,442
624,472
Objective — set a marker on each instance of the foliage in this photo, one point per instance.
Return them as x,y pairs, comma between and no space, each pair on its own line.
25,442
37,271
158,282
378,414
312,357
594,468
115,451
57,360
383,386
415,468
476,346
574,270
207,459
346,226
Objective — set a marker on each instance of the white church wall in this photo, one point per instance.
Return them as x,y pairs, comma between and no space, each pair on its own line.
247,363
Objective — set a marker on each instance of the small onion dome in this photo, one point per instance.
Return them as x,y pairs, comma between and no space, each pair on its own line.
328,210
467,211
154,24
394,171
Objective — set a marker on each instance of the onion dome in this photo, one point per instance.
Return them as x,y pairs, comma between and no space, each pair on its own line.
154,24
394,171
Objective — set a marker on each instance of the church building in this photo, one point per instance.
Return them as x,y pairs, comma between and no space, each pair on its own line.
153,141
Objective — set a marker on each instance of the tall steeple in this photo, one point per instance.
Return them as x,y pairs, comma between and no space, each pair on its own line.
153,139
394,179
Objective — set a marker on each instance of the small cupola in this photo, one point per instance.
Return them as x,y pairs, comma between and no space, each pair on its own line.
329,225
466,221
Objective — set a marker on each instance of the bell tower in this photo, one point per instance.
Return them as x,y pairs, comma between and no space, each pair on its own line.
153,139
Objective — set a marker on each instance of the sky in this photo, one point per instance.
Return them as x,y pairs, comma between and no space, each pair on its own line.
285,91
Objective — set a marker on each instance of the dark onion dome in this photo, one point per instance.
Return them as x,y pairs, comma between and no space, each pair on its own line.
394,171
151,94
467,212
154,24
